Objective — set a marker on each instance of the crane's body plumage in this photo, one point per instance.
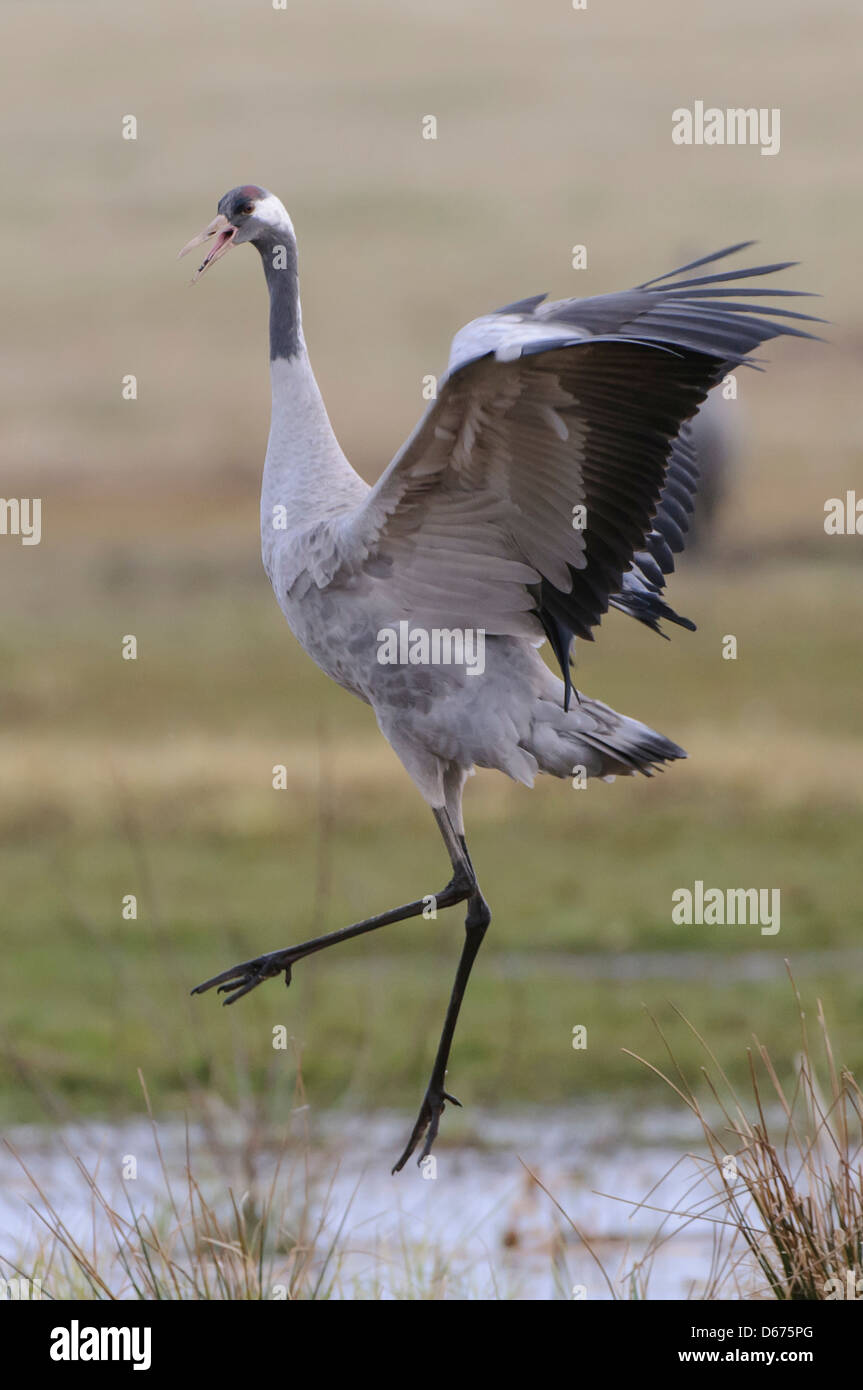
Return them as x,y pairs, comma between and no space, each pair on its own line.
337,595
553,476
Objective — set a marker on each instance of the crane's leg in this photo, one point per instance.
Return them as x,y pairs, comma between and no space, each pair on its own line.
246,976
428,1120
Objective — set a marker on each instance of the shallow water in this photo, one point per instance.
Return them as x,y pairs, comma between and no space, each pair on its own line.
479,1228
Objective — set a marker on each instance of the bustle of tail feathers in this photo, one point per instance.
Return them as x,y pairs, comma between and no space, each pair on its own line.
596,737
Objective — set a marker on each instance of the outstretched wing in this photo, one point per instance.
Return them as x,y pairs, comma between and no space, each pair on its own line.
552,464
644,582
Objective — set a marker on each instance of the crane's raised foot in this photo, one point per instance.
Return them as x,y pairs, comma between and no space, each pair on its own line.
431,1110
241,979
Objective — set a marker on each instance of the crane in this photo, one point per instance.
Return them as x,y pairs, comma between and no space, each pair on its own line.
553,475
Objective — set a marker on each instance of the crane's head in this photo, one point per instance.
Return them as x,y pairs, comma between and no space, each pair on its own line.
247,213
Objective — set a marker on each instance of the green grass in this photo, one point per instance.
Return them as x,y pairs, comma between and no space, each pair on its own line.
161,787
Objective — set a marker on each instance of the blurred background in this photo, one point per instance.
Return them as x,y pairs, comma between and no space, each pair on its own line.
153,777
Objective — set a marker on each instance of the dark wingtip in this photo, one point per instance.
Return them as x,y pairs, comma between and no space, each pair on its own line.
702,260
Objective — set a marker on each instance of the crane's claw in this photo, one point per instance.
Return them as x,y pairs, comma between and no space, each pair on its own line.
431,1110
242,979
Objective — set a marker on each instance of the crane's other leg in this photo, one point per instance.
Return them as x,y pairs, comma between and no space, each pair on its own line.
475,925
246,976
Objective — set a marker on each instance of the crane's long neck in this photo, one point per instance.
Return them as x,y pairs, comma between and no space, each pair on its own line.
306,476
278,251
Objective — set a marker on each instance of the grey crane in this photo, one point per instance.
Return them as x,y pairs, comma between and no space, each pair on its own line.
552,475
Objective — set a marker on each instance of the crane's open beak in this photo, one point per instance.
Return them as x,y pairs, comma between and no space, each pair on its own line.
223,231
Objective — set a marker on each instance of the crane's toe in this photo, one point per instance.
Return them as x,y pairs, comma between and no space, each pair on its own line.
242,979
433,1106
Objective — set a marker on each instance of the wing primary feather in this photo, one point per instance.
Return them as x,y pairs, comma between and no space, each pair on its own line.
702,260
